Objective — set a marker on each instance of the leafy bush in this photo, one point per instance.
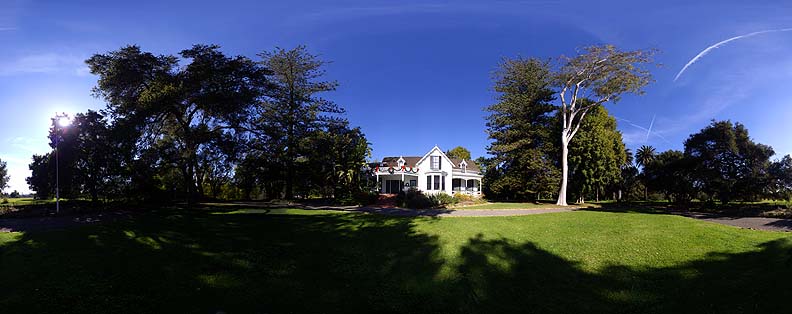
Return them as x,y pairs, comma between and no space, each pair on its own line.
461,198
413,199
442,199
363,198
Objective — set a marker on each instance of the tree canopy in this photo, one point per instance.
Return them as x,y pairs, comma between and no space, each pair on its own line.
597,75
520,125
4,177
459,152
206,125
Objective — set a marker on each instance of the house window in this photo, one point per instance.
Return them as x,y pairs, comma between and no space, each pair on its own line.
435,163
444,179
436,182
428,183
414,183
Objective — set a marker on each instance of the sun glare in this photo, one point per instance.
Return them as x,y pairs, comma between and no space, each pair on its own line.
64,121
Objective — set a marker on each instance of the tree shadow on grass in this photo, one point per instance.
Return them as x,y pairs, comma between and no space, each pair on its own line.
352,263
505,277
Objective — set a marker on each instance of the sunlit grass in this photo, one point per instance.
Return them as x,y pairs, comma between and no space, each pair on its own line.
293,260
516,205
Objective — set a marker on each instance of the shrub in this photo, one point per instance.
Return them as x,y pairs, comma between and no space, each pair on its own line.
442,199
413,199
365,198
461,198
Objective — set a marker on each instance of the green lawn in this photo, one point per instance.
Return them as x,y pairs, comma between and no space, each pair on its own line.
513,205
261,261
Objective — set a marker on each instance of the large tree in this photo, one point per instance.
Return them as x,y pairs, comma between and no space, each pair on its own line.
3,176
459,152
674,174
729,164
520,126
188,106
600,74
292,108
598,155
781,173
42,175
643,157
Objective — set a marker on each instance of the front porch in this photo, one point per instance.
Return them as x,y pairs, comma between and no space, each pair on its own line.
469,186
395,183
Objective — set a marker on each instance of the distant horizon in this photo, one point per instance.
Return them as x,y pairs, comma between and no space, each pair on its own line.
426,64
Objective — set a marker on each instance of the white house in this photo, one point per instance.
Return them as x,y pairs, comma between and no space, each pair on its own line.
432,173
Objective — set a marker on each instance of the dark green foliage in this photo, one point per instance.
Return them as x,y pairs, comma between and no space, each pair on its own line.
413,199
781,174
597,155
728,164
42,178
673,174
3,176
520,126
292,110
458,152
204,125
177,111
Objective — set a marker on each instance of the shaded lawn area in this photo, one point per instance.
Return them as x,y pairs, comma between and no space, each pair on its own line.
516,205
288,262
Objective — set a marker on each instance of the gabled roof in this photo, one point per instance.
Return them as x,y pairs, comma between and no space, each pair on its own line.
411,161
471,165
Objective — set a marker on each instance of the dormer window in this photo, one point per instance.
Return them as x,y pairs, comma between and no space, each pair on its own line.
435,162
401,162
463,165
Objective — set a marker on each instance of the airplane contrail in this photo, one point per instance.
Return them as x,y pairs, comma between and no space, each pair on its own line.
650,128
717,45
643,128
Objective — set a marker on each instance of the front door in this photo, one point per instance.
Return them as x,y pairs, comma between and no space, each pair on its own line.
393,186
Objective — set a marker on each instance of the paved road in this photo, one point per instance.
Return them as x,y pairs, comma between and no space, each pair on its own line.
758,223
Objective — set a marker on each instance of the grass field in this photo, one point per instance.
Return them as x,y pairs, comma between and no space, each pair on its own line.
259,261
514,205
25,201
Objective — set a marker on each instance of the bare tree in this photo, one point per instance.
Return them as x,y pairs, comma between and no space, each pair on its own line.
599,74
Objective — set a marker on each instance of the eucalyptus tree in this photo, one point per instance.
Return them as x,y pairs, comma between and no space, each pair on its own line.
187,105
600,74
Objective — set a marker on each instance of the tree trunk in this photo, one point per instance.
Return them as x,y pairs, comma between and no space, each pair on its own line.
564,170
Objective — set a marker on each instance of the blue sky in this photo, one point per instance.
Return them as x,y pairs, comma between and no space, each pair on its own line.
414,73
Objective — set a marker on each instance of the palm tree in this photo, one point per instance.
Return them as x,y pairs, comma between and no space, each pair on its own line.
643,157
628,161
